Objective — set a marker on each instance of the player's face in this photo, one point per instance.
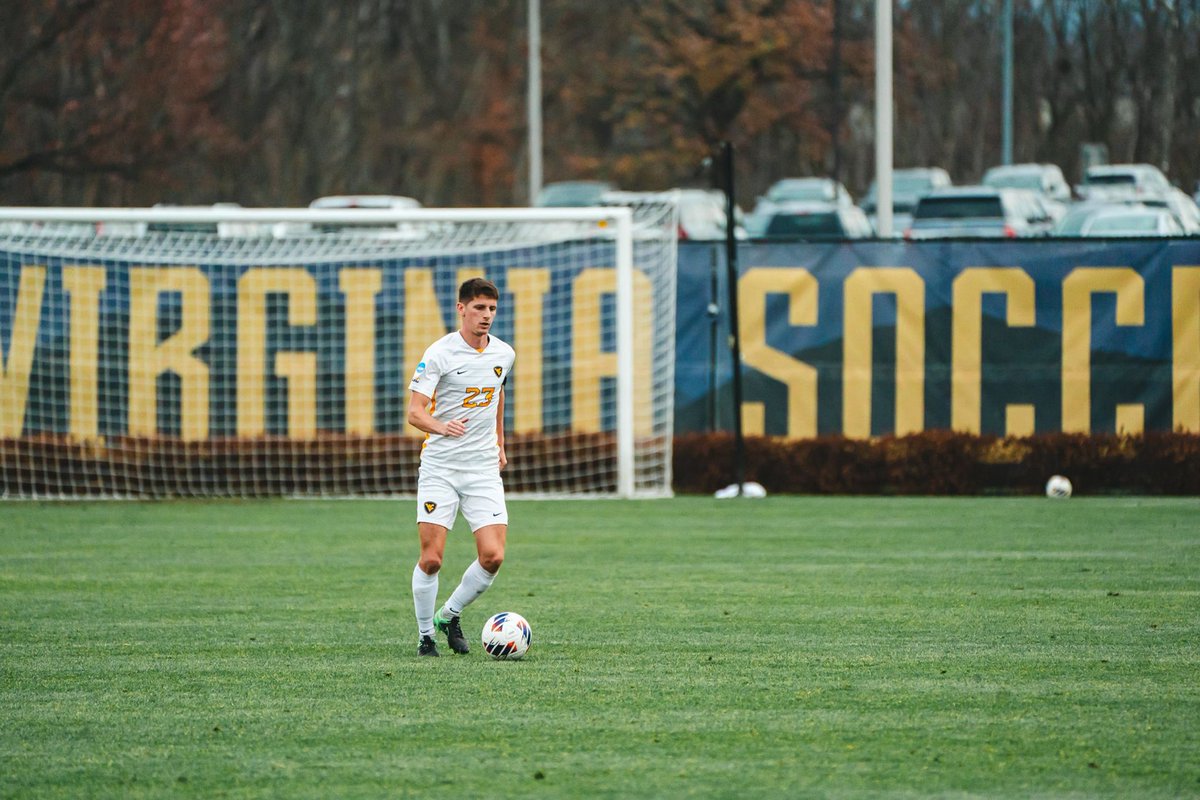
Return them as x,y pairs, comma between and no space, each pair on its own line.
478,315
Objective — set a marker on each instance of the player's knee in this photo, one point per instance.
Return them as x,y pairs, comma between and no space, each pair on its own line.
430,565
491,560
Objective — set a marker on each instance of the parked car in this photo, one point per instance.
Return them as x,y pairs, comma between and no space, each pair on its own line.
807,190
1077,216
572,194
1123,181
368,202
908,186
813,222
1133,221
1040,212
224,230
1045,179
974,212
1182,207
702,215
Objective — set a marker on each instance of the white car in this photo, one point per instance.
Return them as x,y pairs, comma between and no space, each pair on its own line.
224,230
908,186
1132,221
1045,179
371,202
807,190
573,194
702,215
977,212
1077,216
1123,182
812,222
1183,207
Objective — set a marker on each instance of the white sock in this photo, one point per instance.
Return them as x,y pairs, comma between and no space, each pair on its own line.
424,589
475,582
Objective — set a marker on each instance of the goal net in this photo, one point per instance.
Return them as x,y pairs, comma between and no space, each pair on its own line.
234,353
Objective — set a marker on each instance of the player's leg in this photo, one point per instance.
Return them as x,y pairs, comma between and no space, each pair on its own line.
489,544
437,505
484,509
425,582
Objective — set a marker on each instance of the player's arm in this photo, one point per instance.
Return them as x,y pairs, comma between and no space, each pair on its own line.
420,418
500,427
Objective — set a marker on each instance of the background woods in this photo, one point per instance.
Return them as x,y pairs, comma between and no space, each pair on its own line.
132,102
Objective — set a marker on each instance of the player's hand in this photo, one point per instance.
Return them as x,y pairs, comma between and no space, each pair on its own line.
455,428
503,459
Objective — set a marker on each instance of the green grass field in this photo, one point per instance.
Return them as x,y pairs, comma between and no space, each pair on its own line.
787,647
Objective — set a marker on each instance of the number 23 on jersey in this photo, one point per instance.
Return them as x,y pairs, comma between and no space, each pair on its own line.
478,397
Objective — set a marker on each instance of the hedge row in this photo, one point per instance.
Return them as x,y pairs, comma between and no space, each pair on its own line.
332,465
934,462
945,463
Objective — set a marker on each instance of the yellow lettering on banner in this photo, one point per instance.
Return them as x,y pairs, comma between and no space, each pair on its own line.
528,287
465,274
422,325
1078,288
590,364
754,415
359,286
1131,418
16,368
1185,348
1019,419
967,334
799,378
859,289
84,285
149,358
299,368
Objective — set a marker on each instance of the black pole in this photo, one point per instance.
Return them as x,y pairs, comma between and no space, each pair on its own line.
714,325
735,339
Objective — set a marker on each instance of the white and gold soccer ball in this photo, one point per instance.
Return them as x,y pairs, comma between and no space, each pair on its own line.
506,636
1058,487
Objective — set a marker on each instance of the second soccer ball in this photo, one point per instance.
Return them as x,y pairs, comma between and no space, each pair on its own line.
1058,487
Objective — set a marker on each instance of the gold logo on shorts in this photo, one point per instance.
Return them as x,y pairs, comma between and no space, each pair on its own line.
497,370
429,507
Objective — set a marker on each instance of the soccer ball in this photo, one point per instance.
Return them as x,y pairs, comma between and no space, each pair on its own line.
506,635
1058,487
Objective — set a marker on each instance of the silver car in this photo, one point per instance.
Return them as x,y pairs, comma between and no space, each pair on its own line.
1132,221
908,186
1045,179
807,190
1123,182
974,212
810,222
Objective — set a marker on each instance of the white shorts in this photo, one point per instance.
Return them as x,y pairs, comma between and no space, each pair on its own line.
440,493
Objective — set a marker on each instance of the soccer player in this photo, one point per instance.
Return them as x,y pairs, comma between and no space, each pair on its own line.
458,400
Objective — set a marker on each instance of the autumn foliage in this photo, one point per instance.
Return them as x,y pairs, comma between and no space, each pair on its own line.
131,102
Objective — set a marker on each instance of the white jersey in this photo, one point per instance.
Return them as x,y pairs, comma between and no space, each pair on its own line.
464,383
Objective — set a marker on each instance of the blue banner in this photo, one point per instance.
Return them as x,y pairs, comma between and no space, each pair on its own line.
98,348
1012,337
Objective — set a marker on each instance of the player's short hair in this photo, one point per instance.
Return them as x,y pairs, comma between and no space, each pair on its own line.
477,287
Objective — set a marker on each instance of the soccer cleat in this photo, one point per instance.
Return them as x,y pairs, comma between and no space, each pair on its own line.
454,635
427,647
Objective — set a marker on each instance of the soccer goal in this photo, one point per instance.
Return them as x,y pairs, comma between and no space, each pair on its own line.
248,352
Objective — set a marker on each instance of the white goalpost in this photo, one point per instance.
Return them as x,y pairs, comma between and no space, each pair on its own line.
174,352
